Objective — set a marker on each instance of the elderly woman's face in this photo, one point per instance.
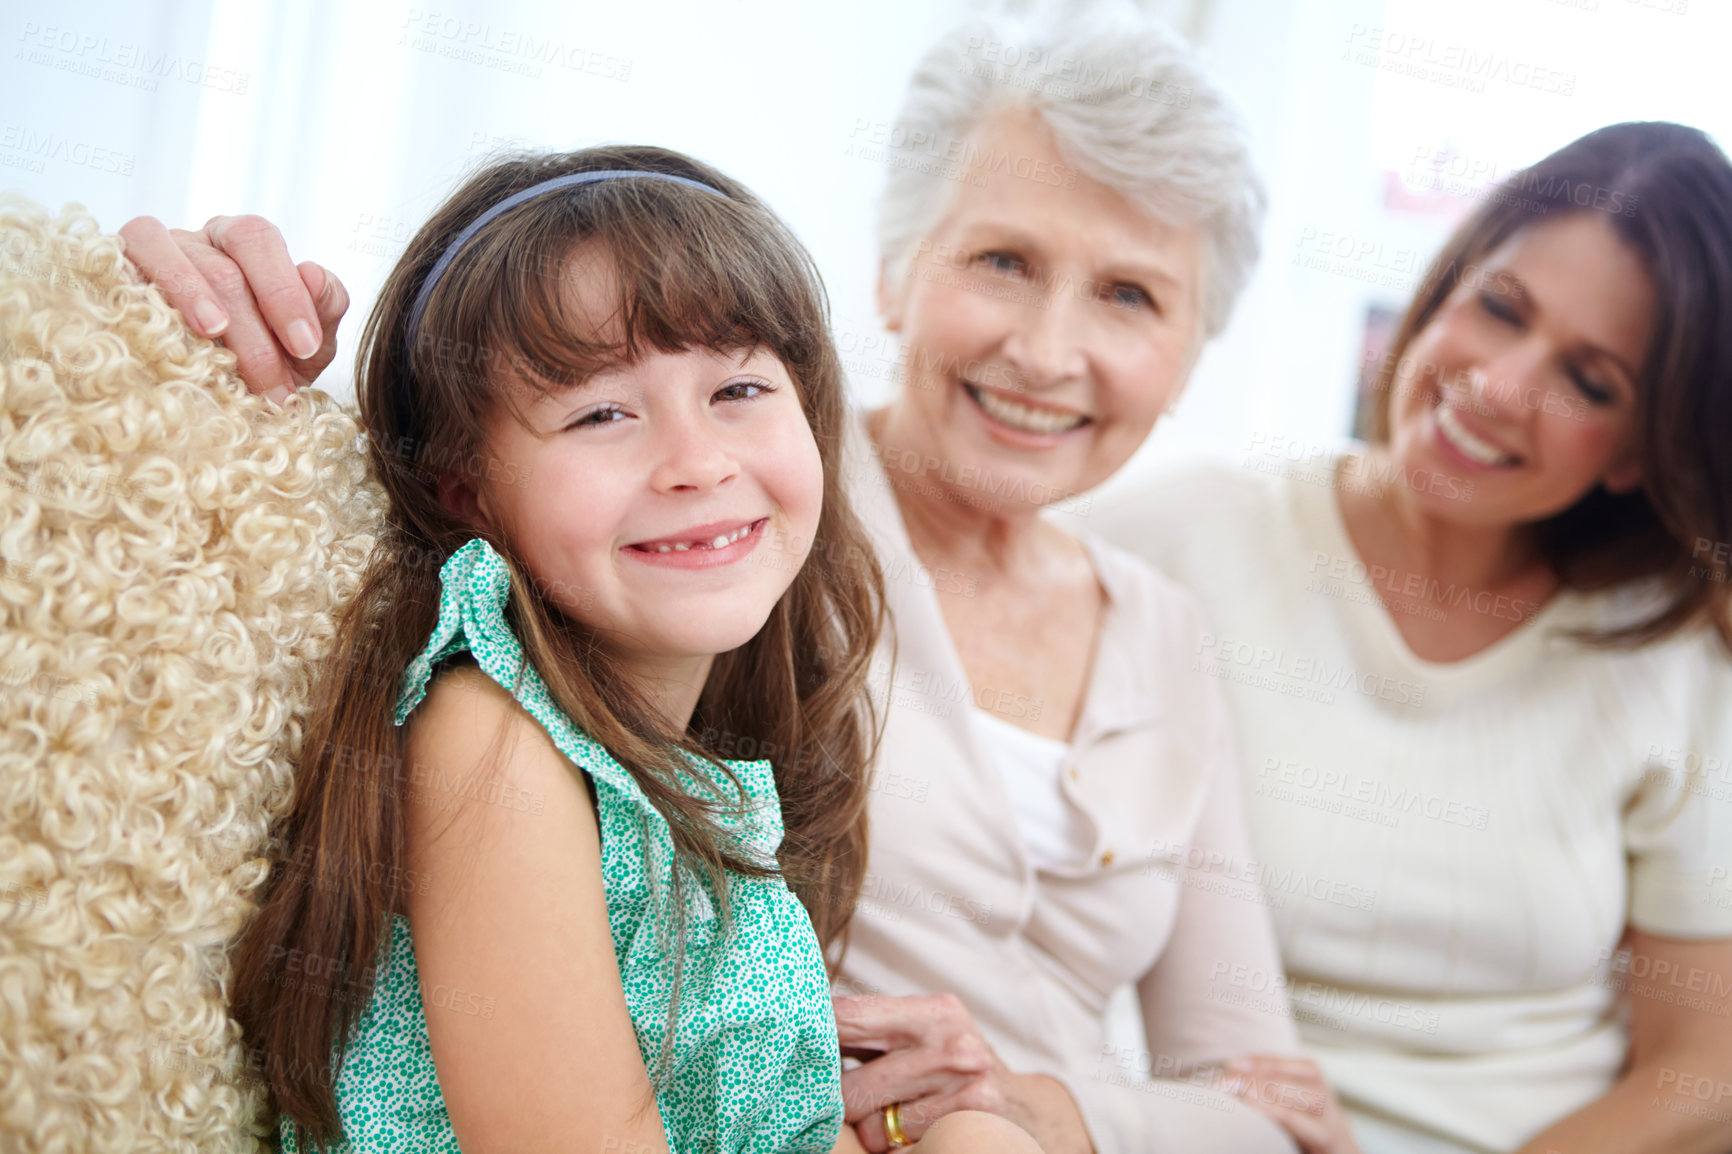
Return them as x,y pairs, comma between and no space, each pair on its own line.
1520,395
1046,323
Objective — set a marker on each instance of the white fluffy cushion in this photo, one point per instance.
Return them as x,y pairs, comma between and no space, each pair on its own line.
172,551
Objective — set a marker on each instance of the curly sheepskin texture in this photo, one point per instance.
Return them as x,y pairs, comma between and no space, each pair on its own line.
174,551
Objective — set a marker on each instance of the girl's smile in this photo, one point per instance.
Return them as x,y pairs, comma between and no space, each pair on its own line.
701,547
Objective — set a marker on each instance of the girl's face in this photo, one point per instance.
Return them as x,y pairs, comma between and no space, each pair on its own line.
1046,322
1520,395
667,504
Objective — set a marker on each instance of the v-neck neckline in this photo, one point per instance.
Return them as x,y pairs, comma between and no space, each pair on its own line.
1318,512
1105,663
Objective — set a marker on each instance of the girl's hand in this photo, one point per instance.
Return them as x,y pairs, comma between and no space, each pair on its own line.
1293,1093
933,1061
233,278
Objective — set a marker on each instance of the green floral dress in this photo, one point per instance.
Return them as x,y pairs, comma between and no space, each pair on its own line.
755,1065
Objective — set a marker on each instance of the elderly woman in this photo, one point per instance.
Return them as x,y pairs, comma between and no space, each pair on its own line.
1479,670
1057,815
1056,811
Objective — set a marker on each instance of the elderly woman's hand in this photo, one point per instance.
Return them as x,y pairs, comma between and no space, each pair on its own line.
234,279
1293,1093
931,1060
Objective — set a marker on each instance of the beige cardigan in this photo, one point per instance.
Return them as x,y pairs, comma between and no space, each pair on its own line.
1169,901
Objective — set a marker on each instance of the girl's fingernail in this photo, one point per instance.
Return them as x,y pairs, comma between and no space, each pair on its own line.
281,395
1235,1085
210,318
302,342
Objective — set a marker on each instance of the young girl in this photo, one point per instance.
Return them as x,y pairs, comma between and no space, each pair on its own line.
522,906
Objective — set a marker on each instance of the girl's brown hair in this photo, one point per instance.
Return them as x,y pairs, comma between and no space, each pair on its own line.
1666,190
694,270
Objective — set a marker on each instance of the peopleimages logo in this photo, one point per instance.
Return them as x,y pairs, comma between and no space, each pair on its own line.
503,48
1237,660
132,65
1305,784
1204,865
1421,587
1317,463
40,147
1319,1003
1456,65
895,897
1010,488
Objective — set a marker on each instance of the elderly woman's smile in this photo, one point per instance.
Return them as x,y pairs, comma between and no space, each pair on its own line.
1024,416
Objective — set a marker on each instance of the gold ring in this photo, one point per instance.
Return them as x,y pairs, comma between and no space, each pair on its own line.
893,1126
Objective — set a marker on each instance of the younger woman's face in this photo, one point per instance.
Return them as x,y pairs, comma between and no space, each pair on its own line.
1520,396
659,503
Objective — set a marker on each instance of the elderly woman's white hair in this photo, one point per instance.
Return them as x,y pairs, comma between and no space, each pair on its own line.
1129,106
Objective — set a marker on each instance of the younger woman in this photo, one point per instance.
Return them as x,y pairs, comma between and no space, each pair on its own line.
599,392
1499,639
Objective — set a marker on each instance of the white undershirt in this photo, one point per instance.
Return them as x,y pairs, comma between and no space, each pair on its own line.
1054,832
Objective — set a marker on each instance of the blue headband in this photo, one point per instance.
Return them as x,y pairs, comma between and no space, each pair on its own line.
511,202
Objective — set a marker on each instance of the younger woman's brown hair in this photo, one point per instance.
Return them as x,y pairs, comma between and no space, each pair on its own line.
694,270
1666,191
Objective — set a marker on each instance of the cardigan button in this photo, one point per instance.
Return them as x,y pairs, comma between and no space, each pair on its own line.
1073,773
1107,858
